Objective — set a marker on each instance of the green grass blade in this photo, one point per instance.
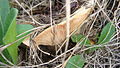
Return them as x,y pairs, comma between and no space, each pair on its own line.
107,33
76,61
10,35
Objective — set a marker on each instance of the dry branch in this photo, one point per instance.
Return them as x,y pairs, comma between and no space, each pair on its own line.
56,34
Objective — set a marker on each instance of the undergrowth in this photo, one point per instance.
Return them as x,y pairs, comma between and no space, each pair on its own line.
96,44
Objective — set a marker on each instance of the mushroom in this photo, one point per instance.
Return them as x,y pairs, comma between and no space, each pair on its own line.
56,34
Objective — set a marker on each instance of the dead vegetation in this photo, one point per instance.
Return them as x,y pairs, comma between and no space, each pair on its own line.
40,13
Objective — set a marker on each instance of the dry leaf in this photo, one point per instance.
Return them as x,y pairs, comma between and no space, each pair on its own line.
56,34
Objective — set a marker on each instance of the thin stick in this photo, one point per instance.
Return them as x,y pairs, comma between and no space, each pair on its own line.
115,44
67,25
4,47
28,13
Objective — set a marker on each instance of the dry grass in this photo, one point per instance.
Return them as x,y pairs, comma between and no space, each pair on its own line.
42,13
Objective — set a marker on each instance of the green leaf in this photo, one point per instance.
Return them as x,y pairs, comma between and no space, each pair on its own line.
76,61
80,38
107,33
4,9
22,28
1,31
10,17
5,53
10,35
